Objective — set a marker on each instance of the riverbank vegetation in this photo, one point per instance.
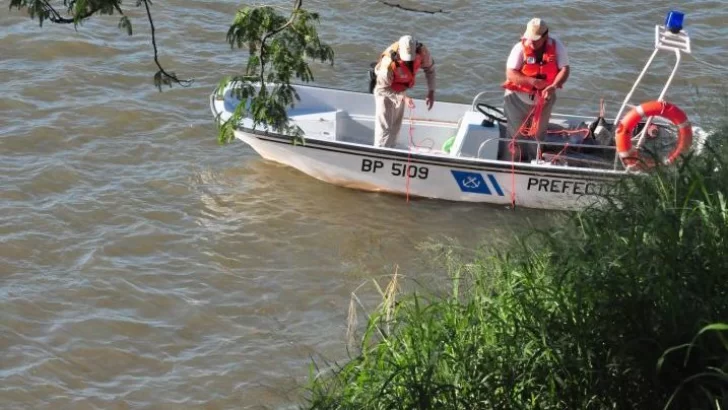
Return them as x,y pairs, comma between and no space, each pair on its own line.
620,307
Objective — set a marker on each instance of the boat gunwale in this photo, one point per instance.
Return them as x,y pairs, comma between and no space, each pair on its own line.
423,157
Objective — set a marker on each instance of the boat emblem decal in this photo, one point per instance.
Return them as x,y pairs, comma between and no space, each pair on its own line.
471,182
474,182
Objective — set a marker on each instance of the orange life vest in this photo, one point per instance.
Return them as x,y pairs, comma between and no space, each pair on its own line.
546,69
403,77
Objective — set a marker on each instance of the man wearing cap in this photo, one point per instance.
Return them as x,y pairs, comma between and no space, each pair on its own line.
536,67
395,74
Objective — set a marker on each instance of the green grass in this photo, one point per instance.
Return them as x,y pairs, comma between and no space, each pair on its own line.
620,307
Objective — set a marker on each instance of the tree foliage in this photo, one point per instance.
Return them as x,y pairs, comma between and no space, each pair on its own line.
279,47
77,11
278,50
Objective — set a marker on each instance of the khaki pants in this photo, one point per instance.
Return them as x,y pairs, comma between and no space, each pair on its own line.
516,110
389,113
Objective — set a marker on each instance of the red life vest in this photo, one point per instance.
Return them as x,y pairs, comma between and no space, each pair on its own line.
403,77
546,69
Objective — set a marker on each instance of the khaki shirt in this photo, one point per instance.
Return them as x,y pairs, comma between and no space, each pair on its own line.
385,75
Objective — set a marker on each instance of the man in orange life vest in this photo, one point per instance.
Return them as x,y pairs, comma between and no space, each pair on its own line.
395,74
536,67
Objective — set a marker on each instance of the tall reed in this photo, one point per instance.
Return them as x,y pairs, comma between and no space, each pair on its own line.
621,307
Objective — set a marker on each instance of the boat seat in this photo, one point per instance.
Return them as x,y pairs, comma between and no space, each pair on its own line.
319,124
314,122
474,139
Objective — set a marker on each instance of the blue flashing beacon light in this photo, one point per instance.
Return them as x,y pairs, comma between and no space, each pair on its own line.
674,21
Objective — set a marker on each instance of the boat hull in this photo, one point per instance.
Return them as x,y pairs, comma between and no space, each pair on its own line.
437,177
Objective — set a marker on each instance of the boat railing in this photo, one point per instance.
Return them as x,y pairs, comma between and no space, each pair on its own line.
540,144
580,102
668,37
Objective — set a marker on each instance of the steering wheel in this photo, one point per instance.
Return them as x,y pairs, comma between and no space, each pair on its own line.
482,107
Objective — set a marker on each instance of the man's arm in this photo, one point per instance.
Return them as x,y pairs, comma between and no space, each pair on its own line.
562,59
561,77
517,77
428,66
559,81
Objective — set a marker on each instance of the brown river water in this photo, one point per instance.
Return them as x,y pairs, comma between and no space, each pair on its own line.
142,266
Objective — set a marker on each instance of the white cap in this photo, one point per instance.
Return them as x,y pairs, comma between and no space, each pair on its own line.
535,29
406,48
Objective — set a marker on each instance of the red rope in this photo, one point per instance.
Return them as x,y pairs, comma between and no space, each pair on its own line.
536,111
430,147
512,149
553,160
531,131
409,154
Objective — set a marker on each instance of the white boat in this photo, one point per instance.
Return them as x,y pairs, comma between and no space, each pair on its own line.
338,128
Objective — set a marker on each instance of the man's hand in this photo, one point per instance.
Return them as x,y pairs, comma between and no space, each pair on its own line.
547,92
409,101
430,100
539,84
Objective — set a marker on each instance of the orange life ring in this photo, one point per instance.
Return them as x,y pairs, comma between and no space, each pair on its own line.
630,157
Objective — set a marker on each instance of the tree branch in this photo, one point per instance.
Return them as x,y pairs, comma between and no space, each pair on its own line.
56,18
168,77
399,6
52,10
296,6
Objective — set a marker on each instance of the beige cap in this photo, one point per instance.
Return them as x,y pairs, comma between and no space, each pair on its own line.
406,48
535,29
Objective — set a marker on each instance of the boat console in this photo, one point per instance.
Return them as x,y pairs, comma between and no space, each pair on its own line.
477,137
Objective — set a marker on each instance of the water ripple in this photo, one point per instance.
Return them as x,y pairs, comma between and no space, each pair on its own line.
144,266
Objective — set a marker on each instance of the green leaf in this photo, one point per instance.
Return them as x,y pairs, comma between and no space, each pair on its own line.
158,80
79,10
125,24
278,47
716,327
